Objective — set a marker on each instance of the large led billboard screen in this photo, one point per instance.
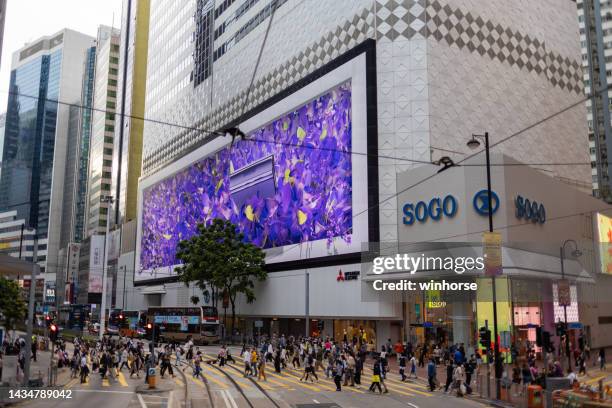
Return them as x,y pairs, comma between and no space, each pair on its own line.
290,183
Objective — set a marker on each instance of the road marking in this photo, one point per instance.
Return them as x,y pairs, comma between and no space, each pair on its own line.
214,379
105,382
271,381
227,404
170,402
315,401
178,382
106,391
412,405
593,380
122,380
71,383
231,399
142,403
201,384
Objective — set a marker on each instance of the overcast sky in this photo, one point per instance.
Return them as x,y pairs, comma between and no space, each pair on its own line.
27,20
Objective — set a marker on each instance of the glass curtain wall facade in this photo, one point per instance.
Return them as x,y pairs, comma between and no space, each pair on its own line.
84,139
27,162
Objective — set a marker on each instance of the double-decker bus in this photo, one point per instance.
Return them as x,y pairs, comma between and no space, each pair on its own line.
133,323
201,324
114,321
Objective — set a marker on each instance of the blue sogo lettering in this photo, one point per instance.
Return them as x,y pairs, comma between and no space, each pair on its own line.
421,211
408,215
435,209
530,210
449,200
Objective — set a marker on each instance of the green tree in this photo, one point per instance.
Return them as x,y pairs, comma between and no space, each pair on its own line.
218,258
12,306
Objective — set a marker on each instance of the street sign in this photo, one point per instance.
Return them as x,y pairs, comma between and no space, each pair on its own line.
491,250
427,324
259,324
574,325
563,293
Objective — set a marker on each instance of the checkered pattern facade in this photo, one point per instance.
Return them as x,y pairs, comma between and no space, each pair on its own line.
407,24
467,30
336,42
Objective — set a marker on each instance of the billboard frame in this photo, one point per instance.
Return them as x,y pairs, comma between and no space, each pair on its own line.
368,48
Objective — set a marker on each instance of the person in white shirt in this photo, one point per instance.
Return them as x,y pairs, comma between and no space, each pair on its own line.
246,357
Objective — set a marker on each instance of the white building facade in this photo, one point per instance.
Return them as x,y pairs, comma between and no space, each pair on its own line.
421,77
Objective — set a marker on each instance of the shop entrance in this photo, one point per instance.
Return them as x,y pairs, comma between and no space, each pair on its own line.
361,331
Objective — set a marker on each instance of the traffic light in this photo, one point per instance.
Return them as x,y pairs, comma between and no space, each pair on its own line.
149,326
48,320
53,332
485,337
120,317
539,336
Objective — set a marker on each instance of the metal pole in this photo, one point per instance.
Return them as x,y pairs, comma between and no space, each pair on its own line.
29,326
124,273
21,240
498,366
307,305
108,200
567,340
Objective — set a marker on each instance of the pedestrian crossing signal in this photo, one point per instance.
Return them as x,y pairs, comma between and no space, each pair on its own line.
53,331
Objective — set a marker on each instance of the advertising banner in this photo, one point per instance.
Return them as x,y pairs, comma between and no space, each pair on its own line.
604,227
563,293
294,189
96,260
491,242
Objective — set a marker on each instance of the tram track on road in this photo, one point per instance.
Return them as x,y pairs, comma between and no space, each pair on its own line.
239,387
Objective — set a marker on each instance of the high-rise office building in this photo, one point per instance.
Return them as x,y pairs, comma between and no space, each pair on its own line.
102,129
2,17
2,125
127,160
15,239
594,17
82,159
37,132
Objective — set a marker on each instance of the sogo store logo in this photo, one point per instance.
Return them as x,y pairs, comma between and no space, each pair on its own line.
435,209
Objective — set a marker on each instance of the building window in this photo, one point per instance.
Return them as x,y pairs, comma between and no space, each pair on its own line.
203,41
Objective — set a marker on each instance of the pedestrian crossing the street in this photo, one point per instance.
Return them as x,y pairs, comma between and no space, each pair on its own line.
290,379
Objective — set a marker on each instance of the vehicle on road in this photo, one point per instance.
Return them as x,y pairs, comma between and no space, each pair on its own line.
201,324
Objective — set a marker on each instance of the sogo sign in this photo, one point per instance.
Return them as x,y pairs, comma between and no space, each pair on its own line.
434,209
529,210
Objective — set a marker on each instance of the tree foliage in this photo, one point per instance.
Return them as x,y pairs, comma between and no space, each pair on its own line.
218,258
12,306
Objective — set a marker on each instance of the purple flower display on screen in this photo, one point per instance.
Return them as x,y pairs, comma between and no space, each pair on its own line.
290,182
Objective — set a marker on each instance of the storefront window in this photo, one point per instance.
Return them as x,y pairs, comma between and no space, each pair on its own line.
364,329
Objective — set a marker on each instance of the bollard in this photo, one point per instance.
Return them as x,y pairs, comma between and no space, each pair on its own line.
534,396
151,378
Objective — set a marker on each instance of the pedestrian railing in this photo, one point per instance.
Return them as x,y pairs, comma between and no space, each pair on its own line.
509,392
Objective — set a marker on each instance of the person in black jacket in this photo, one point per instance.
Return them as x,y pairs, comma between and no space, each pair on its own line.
358,369
449,375
377,376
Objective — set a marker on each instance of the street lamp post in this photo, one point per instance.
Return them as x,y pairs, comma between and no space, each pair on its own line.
108,200
473,143
575,253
